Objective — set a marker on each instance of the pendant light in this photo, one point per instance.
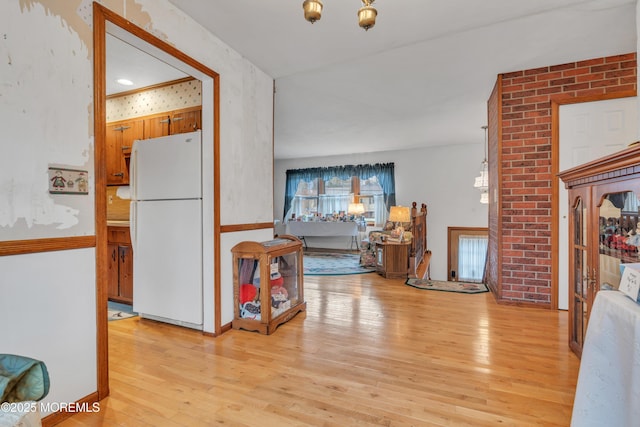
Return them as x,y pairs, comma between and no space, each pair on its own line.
482,181
366,14
312,10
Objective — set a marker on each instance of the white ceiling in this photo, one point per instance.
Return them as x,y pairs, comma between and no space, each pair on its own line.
420,77
126,61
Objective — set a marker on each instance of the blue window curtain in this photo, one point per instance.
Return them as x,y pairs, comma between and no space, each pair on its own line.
294,176
384,171
386,177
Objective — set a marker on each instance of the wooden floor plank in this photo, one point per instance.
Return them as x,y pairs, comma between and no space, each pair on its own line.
368,351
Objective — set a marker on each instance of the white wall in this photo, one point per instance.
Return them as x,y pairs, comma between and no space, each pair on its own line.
46,103
48,313
36,131
246,169
442,177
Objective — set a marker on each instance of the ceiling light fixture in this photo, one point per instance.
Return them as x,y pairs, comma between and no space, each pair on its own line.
125,82
312,10
366,14
482,181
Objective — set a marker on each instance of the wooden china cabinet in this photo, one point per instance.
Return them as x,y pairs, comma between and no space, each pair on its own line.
267,283
604,231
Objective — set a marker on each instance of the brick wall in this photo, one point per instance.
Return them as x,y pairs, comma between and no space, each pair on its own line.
526,164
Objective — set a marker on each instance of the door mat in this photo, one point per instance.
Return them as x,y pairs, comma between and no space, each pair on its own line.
118,311
442,285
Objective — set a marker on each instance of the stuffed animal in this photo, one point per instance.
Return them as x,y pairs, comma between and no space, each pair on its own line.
279,295
251,310
248,292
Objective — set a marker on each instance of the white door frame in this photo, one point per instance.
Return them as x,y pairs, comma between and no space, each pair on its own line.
555,164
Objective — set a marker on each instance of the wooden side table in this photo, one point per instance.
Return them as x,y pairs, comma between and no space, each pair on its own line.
392,260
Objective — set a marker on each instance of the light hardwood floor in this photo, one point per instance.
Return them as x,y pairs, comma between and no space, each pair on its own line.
368,351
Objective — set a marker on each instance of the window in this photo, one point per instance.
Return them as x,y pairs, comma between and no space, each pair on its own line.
467,253
472,252
372,197
336,196
327,191
306,199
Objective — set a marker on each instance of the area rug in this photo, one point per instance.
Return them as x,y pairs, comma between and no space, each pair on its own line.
118,311
333,264
441,285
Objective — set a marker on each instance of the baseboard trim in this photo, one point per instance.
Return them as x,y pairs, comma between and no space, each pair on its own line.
84,404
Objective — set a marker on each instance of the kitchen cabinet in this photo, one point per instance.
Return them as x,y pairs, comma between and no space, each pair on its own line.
267,283
185,121
120,272
173,122
392,259
122,134
120,137
603,231
157,126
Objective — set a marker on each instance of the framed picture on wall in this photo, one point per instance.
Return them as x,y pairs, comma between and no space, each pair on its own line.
68,181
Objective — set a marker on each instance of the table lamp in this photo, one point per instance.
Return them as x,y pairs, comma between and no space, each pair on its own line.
355,209
399,214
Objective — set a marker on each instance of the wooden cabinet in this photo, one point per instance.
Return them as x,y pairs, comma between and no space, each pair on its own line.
120,273
120,137
122,134
392,259
267,283
185,121
603,231
156,126
173,122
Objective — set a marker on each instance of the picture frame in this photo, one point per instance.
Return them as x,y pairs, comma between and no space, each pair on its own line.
68,181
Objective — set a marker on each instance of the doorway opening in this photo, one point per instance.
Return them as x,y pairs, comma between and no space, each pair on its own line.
107,22
587,128
467,254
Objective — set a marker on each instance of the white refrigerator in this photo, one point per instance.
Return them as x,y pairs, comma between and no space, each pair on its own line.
166,228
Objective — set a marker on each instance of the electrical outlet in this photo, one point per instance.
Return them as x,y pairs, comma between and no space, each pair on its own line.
110,199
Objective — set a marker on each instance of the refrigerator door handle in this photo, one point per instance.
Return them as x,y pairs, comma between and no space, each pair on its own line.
133,226
133,166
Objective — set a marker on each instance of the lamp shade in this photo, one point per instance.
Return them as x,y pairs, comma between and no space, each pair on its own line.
355,209
400,214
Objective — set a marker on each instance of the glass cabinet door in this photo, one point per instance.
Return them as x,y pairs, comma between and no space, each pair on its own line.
248,298
605,234
285,289
579,288
619,236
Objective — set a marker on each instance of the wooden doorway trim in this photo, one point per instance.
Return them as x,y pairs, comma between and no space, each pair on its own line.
102,17
555,166
452,235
